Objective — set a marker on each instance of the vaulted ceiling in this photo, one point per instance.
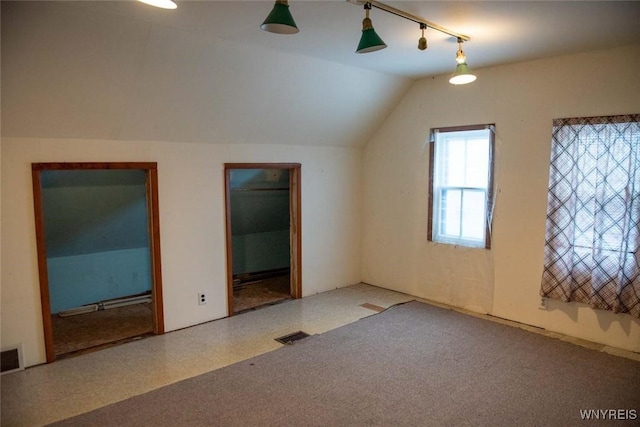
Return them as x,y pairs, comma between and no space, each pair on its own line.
205,72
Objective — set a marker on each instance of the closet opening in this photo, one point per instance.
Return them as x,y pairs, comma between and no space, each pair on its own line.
263,234
98,244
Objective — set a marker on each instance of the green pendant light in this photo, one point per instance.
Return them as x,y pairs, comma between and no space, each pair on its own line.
369,41
463,74
280,20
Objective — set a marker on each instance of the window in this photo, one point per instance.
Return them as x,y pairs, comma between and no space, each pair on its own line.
460,196
593,213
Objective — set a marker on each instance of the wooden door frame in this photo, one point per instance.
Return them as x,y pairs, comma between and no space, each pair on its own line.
151,170
295,224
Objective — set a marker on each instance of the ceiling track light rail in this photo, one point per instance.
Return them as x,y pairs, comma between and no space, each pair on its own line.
280,21
411,17
371,42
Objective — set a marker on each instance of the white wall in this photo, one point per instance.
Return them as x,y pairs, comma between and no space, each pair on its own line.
192,228
109,70
522,100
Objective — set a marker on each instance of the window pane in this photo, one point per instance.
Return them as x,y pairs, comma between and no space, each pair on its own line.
461,172
454,163
450,213
473,214
477,167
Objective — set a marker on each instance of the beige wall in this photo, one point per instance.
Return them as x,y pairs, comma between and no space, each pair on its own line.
380,238
522,100
191,194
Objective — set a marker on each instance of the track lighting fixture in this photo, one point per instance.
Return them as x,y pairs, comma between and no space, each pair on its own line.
369,41
422,42
280,21
164,4
463,74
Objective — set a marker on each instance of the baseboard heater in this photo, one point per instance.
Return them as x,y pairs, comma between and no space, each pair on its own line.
240,280
105,305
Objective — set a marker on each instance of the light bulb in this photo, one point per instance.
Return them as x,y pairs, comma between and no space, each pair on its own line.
164,4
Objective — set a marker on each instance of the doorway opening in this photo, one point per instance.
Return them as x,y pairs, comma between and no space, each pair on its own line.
263,222
98,243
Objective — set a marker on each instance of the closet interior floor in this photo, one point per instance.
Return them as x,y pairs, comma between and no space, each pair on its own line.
90,331
261,292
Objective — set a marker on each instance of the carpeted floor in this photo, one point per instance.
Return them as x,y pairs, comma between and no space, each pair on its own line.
412,365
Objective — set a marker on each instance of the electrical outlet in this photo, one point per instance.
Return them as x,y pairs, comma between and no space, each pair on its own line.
202,299
543,303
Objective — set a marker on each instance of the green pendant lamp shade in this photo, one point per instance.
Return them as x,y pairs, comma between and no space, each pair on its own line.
463,74
369,41
280,20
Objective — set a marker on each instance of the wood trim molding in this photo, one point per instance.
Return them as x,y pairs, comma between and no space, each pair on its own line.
432,144
151,169
229,238
153,207
262,166
295,229
94,166
295,203
43,276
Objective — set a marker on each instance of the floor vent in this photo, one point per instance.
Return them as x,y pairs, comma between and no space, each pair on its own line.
291,338
11,360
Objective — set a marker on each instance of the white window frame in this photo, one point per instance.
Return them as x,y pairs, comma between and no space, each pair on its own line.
437,188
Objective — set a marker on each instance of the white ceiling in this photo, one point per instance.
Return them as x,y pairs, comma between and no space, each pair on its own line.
501,31
205,72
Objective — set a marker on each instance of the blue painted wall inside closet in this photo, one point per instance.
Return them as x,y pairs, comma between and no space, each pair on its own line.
260,220
96,232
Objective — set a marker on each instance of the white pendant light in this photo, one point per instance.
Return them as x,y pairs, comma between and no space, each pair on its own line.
463,74
163,4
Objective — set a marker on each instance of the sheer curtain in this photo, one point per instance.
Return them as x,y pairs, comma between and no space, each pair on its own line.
593,213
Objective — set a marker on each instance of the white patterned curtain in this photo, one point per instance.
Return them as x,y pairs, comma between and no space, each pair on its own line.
593,213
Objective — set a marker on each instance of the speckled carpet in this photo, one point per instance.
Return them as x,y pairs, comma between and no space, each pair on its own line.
411,365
